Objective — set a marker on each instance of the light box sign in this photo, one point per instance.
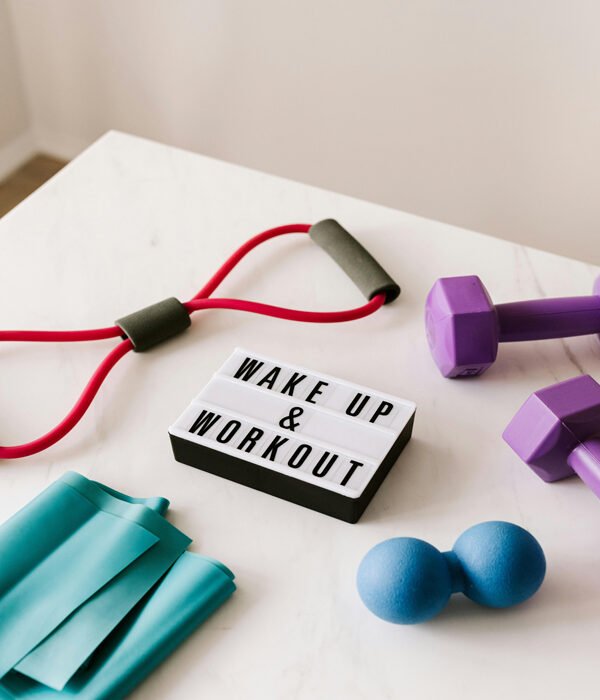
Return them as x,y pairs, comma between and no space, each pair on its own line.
300,435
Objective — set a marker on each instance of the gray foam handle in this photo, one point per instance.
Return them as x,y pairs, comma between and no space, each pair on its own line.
153,324
362,268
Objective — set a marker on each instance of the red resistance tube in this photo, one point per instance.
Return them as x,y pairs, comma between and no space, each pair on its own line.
202,300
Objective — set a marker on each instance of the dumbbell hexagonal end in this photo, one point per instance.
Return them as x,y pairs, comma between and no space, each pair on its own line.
552,422
462,326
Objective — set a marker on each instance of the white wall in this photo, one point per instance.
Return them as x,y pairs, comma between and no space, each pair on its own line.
484,114
16,142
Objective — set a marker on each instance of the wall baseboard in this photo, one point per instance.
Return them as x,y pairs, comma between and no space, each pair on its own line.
17,152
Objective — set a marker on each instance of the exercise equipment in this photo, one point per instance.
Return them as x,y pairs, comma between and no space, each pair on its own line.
464,327
557,431
96,589
144,329
406,580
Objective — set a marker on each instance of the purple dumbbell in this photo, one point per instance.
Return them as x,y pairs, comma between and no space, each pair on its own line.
464,327
557,431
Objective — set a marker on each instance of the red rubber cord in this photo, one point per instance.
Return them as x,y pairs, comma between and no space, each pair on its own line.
199,301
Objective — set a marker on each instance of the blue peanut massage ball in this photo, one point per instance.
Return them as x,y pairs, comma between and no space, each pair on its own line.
406,580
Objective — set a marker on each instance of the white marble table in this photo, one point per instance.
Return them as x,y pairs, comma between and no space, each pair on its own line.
130,222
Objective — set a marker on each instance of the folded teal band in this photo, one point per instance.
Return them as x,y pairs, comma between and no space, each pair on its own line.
48,573
189,593
57,658
140,510
95,590
156,503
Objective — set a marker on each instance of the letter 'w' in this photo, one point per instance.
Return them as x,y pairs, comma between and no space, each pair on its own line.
248,369
204,422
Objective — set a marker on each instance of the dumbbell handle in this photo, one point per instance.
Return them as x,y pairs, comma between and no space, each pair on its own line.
584,460
540,319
